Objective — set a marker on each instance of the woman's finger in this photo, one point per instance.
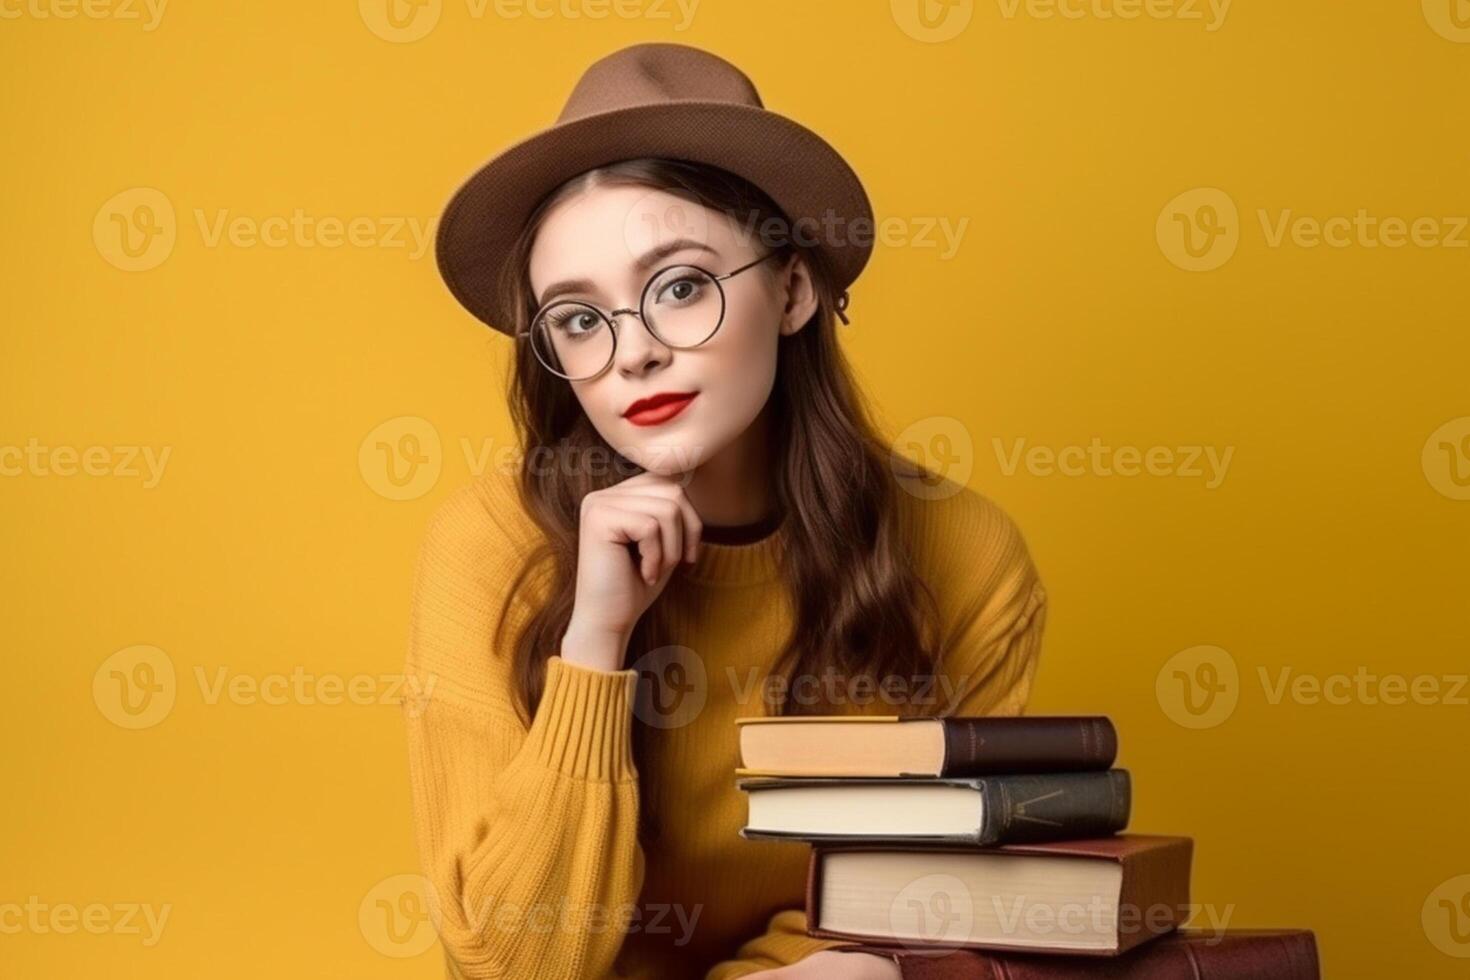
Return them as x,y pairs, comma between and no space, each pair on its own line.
664,487
643,529
669,516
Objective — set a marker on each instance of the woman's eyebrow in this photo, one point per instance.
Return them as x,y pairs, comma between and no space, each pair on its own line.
644,263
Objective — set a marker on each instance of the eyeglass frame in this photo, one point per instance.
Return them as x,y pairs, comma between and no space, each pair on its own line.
609,317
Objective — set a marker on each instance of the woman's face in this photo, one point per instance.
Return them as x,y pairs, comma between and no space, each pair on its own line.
612,238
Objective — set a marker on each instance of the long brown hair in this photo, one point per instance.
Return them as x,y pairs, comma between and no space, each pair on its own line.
859,607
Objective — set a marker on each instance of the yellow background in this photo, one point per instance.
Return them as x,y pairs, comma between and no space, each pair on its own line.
1336,541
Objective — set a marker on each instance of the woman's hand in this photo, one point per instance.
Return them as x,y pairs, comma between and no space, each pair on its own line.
615,587
832,965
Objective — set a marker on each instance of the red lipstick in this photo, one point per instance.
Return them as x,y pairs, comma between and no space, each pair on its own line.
659,408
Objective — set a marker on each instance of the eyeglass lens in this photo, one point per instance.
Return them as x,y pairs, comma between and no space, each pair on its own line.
682,306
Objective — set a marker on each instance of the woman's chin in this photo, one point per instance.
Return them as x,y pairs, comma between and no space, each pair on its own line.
667,456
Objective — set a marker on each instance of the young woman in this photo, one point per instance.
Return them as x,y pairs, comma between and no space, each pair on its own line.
704,525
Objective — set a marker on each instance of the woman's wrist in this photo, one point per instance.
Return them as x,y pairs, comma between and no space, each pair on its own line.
593,648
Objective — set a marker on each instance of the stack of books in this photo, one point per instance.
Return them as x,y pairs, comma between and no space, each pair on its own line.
999,837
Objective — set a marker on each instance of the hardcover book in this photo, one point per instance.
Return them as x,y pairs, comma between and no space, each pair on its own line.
889,745
1187,954
1097,897
982,810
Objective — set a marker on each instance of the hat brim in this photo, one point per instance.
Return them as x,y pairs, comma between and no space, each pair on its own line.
799,170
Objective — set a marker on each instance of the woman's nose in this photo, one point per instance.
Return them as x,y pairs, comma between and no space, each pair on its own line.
638,350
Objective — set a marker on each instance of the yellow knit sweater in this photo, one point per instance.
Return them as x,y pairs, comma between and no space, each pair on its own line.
528,838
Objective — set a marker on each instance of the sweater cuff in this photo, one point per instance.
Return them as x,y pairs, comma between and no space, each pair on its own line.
584,724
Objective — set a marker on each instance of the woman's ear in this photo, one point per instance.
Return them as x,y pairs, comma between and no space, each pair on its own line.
800,293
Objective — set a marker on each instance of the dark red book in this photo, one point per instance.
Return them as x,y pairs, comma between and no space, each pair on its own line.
1188,954
1098,897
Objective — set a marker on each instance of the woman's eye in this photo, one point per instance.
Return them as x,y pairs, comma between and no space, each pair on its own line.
679,290
577,322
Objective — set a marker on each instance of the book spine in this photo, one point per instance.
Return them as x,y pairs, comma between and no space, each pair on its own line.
1283,955
1057,806
988,746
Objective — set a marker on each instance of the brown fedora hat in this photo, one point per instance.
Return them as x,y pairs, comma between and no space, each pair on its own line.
651,100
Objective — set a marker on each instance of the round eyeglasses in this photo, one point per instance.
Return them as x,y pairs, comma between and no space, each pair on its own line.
682,306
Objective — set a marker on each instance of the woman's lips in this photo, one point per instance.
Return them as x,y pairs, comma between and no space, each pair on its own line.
660,414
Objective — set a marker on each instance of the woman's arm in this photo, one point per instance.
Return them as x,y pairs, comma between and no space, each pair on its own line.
527,837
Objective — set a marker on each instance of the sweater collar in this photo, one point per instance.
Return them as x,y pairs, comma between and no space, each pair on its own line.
751,563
